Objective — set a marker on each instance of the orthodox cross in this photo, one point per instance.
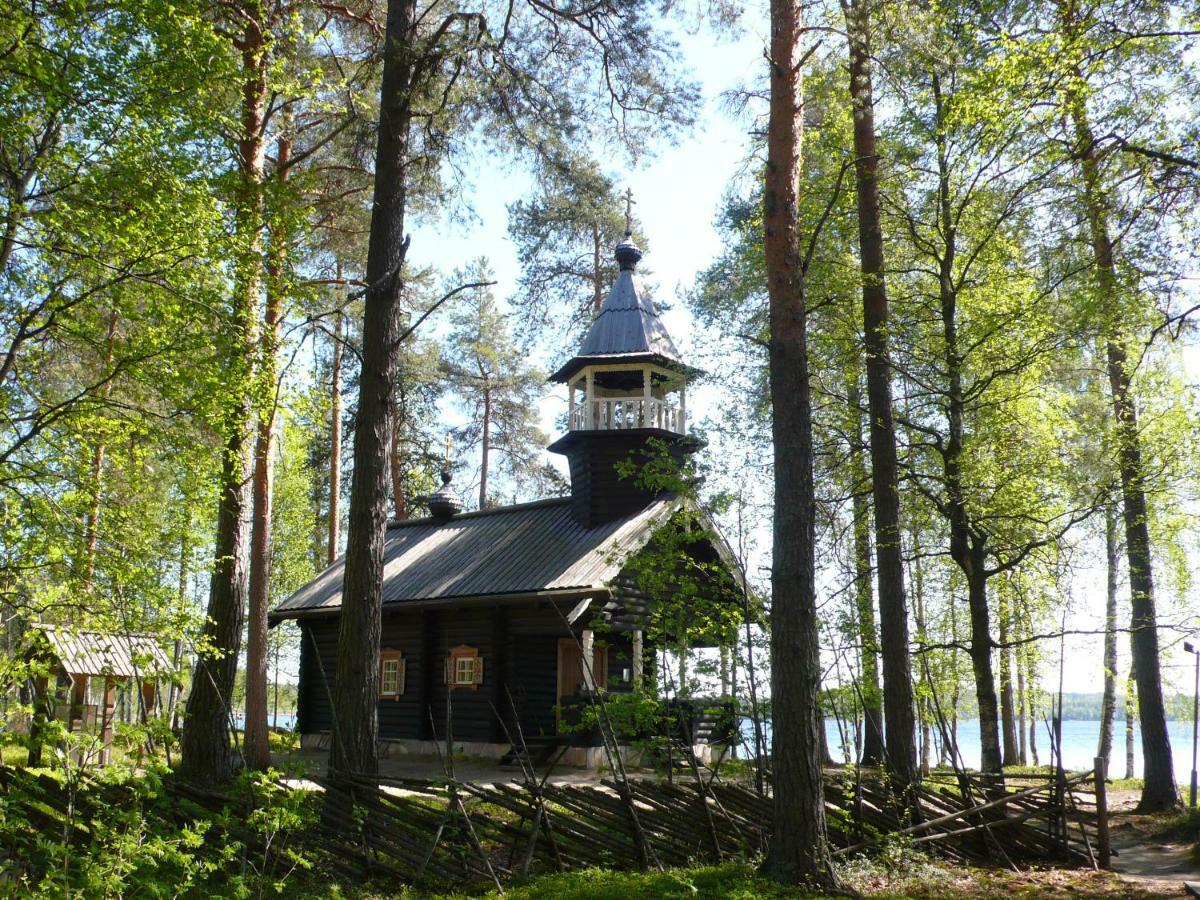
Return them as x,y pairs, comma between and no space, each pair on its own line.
628,211
449,444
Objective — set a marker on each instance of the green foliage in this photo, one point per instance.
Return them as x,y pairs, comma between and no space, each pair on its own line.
132,834
696,597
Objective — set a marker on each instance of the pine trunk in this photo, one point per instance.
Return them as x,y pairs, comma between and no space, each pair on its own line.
257,742
799,851
399,499
899,720
356,682
1108,704
485,445
206,754
868,639
597,271
335,444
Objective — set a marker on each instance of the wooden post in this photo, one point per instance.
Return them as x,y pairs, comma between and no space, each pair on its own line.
78,701
587,641
106,720
636,663
37,722
590,397
1102,838
647,419
148,692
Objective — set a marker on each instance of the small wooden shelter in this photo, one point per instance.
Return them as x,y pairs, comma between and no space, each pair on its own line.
87,667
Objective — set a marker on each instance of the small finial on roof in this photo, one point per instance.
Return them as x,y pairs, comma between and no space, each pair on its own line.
628,253
445,503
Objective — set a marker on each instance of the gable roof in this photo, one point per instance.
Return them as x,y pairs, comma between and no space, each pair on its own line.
527,549
627,329
97,653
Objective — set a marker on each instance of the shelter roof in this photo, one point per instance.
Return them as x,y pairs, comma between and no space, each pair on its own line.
97,653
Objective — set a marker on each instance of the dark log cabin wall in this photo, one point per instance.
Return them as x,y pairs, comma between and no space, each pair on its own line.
519,646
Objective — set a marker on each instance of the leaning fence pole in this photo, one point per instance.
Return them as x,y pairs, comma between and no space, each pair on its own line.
1103,842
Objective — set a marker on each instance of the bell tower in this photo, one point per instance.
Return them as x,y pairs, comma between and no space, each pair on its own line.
625,386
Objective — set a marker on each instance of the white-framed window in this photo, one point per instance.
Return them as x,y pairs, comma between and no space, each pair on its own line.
391,674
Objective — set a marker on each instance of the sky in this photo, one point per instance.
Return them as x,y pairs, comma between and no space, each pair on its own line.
678,196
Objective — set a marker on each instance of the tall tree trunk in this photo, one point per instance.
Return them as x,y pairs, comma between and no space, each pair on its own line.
1008,716
356,682
597,270
1022,710
257,742
899,711
485,443
868,639
206,754
91,524
918,583
981,664
1031,703
799,851
1108,704
966,548
1158,791
185,559
335,442
1130,695
399,498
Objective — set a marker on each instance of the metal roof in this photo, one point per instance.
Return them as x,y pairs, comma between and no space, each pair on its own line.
627,328
96,653
525,549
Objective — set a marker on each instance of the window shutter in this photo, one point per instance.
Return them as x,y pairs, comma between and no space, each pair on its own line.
478,670
400,675
446,669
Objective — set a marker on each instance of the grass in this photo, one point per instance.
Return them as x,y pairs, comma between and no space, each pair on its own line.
919,878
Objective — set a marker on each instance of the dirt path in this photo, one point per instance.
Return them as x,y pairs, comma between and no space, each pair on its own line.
1149,859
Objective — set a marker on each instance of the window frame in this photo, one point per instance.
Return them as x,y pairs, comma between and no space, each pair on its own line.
389,656
457,655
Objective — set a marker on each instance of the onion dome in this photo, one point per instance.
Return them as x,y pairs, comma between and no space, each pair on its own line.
628,253
445,503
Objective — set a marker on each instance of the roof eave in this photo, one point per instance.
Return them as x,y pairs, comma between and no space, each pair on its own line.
553,595
570,368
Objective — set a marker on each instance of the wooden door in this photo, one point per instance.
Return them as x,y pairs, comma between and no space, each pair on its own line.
571,677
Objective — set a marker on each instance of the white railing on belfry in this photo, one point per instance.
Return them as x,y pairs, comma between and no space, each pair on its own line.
618,413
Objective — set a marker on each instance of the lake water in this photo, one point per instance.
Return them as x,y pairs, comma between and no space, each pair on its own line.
1080,738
